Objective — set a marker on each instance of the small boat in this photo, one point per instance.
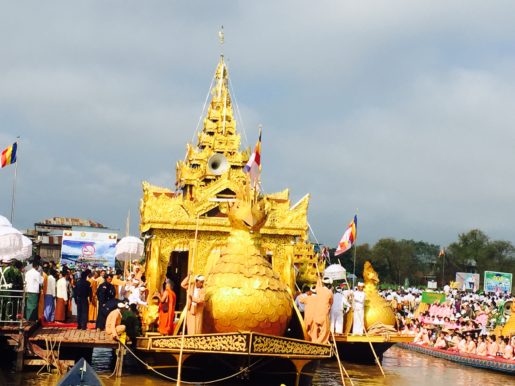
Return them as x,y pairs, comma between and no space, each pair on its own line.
496,364
82,374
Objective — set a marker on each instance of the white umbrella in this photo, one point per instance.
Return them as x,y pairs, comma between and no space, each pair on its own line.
11,241
335,272
129,248
4,222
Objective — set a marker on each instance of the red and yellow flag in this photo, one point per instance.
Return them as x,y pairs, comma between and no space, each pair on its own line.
348,238
9,155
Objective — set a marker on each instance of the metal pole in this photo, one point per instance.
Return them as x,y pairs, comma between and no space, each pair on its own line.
354,270
443,270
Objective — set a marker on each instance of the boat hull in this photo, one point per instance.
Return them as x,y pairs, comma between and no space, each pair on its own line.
500,365
246,357
356,349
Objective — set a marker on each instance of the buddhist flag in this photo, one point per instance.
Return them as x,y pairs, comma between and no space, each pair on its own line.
253,166
348,238
9,155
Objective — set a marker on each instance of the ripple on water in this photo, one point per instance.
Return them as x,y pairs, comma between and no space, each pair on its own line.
402,367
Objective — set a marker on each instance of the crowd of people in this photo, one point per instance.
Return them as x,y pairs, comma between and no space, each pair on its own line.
461,321
106,299
119,303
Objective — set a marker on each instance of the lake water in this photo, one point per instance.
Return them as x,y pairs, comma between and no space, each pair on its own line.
402,368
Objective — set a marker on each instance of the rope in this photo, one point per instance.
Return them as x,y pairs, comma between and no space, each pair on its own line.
243,130
189,382
50,356
202,112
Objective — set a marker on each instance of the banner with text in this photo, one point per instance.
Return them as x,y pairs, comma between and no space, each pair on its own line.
498,281
93,249
467,281
431,297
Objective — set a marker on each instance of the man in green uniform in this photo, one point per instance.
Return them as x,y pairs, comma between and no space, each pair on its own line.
14,280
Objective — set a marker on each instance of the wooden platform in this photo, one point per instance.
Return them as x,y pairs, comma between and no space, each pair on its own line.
73,337
393,338
356,348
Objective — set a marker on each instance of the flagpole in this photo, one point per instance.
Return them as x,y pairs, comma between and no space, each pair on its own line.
354,253
13,198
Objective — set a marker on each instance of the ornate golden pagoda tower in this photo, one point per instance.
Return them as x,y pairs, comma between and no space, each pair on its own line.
188,228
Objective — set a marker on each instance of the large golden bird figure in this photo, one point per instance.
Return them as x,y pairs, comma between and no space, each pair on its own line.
377,310
243,293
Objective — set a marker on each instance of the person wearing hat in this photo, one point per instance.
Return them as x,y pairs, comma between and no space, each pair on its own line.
358,306
105,293
114,326
339,304
194,303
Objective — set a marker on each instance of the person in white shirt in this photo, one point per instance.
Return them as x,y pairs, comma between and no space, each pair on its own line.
33,281
49,312
61,298
135,294
339,303
358,324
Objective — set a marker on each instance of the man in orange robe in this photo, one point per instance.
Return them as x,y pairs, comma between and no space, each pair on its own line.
93,304
194,303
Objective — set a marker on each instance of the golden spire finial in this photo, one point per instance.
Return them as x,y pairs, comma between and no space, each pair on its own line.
221,38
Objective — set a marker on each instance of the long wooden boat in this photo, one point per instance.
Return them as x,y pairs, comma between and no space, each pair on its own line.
82,374
356,348
495,364
243,357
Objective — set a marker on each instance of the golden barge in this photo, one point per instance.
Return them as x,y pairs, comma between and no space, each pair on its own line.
250,246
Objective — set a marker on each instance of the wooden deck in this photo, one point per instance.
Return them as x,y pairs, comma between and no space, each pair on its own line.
73,337
393,338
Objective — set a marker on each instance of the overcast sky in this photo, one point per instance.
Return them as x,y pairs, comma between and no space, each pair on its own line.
403,109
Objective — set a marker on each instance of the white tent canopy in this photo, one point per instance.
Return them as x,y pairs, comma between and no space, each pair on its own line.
129,248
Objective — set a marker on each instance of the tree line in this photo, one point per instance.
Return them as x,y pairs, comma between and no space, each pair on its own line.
401,262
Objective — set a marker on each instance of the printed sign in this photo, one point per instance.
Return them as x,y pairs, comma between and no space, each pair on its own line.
431,297
93,249
498,281
467,281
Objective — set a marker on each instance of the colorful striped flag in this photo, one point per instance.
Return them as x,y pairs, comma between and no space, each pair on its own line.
253,166
348,238
9,155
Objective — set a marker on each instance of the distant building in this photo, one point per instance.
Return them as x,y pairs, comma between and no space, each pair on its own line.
47,235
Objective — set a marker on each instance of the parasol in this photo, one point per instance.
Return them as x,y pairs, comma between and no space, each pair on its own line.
11,241
4,222
129,248
335,272
23,254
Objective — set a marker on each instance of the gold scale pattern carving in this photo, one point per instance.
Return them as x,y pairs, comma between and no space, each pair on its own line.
237,343
270,345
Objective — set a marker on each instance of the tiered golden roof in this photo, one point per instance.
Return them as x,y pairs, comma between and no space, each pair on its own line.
208,177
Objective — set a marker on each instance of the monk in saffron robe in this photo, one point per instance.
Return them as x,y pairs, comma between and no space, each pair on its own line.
167,310
93,304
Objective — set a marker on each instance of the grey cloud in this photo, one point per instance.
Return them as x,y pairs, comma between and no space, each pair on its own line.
402,110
